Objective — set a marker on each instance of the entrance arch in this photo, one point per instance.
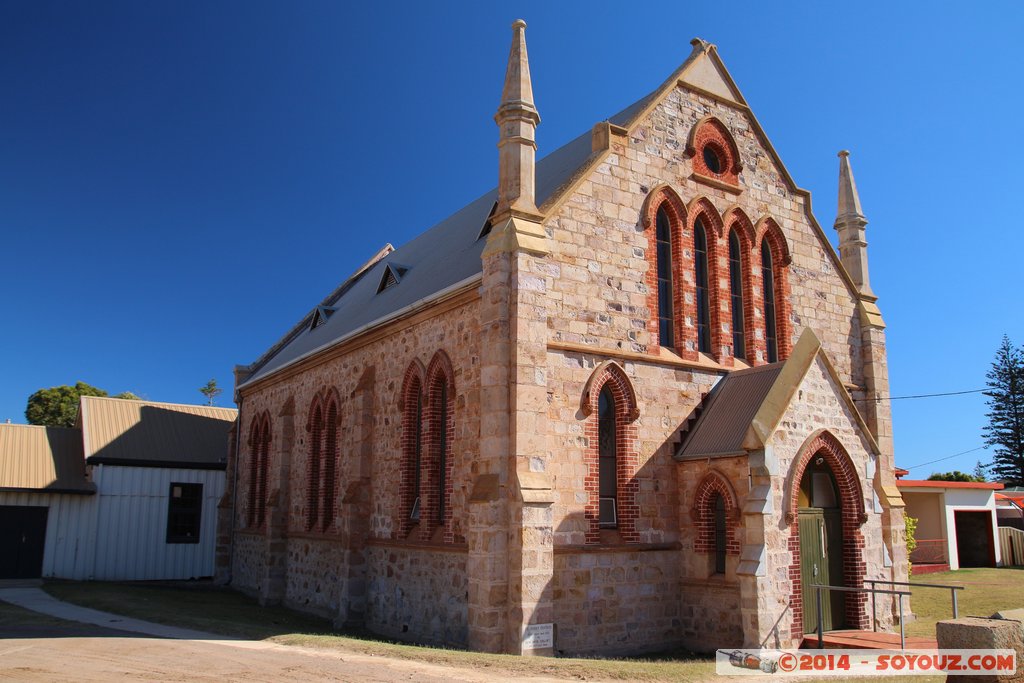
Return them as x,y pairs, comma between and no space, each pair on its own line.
823,454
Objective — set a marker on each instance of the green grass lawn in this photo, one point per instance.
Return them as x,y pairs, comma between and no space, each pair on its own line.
227,612
986,592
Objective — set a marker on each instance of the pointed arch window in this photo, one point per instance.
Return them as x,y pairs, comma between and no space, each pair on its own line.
700,255
330,463
607,459
316,430
770,323
410,488
739,349
436,486
259,469
666,320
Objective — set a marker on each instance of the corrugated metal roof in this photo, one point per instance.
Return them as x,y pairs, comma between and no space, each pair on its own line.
123,431
442,257
42,459
728,412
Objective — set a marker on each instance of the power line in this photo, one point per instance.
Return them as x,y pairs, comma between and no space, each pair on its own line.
899,398
948,457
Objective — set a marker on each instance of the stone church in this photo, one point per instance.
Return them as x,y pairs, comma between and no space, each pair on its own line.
623,402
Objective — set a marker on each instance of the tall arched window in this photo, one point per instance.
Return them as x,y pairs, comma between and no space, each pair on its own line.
259,470
436,487
412,448
666,321
700,254
720,533
330,463
316,433
770,324
607,439
736,295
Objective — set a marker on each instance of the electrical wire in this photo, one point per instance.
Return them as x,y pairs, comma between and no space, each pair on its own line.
948,457
899,398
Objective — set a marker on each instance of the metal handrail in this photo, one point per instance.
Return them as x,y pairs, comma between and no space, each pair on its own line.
847,589
952,593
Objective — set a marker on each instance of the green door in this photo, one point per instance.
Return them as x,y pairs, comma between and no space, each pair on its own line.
821,562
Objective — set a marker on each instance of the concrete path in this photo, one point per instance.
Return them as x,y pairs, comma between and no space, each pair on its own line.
38,600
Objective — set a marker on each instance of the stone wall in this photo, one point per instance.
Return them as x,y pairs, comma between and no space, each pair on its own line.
248,565
614,602
317,575
418,594
710,614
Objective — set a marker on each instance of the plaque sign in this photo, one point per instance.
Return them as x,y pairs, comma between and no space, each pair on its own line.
538,637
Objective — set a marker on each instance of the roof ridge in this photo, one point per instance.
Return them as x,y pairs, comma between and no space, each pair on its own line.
141,401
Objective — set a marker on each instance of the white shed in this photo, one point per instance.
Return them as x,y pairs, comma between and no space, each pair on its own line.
155,472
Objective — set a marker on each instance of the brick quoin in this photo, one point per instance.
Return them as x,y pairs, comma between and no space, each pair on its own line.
626,460
824,444
703,514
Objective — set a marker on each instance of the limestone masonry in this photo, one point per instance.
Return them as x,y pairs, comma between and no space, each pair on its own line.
616,405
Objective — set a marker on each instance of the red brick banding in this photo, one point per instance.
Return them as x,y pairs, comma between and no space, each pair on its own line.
851,498
626,460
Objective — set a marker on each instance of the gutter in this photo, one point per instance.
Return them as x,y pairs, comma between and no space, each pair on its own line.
451,289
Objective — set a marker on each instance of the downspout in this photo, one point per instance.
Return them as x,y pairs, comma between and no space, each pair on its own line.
234,496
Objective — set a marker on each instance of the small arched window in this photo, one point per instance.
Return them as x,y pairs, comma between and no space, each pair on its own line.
259,470
442,439
770,323
736,295
700,253
607,439
666,321
410,486
436,487
718,506
416,426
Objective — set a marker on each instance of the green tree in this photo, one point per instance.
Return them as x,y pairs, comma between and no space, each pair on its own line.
955,475
210,391
1005,428
58,406
128,395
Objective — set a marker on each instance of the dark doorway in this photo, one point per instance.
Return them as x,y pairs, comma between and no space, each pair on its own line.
821,547
22,537
974,546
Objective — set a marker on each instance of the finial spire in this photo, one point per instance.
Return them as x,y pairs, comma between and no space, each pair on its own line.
849,201
517,120
850,224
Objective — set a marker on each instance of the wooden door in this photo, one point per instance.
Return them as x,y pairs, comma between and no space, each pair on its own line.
22,539
821,563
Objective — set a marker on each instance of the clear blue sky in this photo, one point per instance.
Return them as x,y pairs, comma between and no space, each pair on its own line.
180,182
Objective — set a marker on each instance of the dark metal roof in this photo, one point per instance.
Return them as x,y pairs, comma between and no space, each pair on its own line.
728,411
440,258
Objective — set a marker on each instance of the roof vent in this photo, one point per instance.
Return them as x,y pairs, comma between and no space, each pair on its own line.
392,276
320,316
486,230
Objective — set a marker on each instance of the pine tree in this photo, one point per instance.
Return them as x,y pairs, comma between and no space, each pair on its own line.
210,391
1005,429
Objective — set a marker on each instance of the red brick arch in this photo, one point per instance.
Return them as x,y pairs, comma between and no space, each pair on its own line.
710,132
703,513
611,374
664,197
824,444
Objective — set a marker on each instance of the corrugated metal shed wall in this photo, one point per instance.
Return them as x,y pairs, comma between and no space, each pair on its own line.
131,525
69,549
